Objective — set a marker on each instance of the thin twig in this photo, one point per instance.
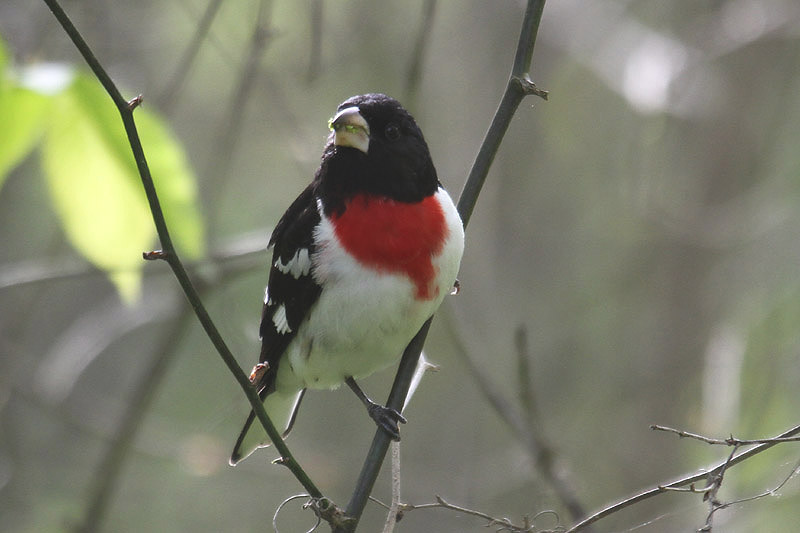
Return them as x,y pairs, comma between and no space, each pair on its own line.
730,441
527,398
687,480
420,48
170,255
771,492
715,483
315,48
394,507
187,60
284,503
503,524
526,427
229,135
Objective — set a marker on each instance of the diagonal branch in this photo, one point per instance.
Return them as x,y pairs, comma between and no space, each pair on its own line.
168,252
523,422
190,54
519,86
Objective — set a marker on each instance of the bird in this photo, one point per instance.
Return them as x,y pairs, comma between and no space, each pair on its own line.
360,260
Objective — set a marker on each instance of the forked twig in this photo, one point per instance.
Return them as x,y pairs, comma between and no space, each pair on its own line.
684,481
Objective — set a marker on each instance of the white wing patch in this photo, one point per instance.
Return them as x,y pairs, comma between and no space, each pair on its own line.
266,295
280,320
298,265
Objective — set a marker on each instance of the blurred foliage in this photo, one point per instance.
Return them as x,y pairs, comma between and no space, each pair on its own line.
91,175
641,225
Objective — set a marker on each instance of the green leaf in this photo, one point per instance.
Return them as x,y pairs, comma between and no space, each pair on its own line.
22,114
96,188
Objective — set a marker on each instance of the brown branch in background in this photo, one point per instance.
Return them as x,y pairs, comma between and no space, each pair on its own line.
715,481
685,481
394,513
170,255
527,427
717,506
106,476
245,255
178,78
315,48
529,524
420,51
714,484
230,134
730,441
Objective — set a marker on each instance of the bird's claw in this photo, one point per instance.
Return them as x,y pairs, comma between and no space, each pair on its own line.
387,419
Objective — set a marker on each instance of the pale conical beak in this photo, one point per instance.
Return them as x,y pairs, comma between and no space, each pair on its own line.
350,129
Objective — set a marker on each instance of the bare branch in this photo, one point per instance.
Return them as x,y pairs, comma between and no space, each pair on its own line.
315,50
730,441
189,56
394,507
502,524
230,133
685,481
715,481
420,47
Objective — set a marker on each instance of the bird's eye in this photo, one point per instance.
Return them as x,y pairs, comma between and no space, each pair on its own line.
392,132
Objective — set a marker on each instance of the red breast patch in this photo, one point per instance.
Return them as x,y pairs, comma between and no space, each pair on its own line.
392,236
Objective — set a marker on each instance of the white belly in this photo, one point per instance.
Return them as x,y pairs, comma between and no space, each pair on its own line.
363,319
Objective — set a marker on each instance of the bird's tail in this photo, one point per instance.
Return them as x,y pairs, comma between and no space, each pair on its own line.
282,409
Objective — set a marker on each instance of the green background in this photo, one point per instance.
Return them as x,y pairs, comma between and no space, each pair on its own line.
641,226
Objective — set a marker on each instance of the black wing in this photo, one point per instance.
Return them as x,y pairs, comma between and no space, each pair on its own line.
291,290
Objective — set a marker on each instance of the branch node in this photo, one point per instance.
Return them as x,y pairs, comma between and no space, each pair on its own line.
135,102
527,86
154,255
332,514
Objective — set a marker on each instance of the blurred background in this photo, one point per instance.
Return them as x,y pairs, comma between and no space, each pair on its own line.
633,259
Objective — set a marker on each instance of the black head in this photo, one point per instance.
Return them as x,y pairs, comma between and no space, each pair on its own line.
376,147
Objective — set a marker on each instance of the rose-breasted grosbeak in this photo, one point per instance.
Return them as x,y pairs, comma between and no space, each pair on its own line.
361,259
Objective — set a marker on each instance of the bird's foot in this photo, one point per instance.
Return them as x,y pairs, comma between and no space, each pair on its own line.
387,419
